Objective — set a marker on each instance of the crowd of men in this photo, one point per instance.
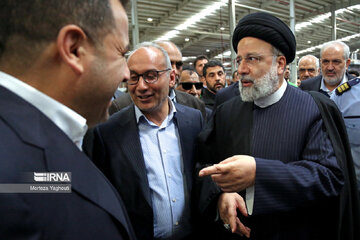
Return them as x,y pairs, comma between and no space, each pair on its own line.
182,156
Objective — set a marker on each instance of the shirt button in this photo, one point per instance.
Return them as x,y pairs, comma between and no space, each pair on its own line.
174,200
169,175
177,223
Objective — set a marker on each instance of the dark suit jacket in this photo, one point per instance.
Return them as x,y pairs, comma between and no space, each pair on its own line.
313,84
227,93
281,209
118,153
181,98
30,142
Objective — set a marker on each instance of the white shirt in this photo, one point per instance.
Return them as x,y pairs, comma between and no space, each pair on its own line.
263,103
70,122
329,92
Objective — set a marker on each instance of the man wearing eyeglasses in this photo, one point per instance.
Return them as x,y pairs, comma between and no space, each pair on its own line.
175,95
190,83
281,165
334,60
147,148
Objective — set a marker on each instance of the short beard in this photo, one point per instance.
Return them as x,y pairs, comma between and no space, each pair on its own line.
262,87
336,81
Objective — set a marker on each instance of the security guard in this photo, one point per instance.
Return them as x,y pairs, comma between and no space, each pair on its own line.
347,98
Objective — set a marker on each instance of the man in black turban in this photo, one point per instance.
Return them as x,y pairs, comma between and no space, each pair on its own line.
282,164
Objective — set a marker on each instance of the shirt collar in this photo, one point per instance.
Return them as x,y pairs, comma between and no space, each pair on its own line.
172,95
139,114
272,98
325,89
70,122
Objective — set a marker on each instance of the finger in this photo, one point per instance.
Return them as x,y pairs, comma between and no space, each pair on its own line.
241,229
241,206
230,159
216,168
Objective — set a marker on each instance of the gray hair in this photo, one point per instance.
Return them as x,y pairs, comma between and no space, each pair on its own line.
332,43
153,45
311,56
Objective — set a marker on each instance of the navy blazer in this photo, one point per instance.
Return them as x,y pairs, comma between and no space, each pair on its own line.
30,142
313,84
118,153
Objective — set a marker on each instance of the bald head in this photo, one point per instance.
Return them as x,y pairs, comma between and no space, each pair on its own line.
174,55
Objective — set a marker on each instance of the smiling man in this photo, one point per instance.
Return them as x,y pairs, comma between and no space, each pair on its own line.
147,148
60,64
272,180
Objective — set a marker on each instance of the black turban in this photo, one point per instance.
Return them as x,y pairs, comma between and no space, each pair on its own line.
269,29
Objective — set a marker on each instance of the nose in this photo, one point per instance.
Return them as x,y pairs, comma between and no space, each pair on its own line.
141,85
193,90
243,68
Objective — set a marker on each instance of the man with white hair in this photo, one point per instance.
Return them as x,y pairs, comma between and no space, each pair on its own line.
308,67
334,59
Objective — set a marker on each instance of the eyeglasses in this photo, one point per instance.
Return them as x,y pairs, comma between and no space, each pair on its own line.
189,85
252,59
177,63
149,77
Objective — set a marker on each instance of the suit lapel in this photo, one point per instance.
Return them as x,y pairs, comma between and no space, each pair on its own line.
130,145
183,125
61,154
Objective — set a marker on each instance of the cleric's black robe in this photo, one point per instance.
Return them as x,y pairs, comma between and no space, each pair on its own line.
232,132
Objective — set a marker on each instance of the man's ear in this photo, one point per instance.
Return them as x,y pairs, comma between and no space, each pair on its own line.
70,44
172,79
281,60
348,61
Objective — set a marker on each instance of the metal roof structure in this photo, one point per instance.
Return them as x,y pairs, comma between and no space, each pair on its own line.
201,27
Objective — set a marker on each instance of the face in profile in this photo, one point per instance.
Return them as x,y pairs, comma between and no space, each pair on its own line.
200,66
190,83
107,69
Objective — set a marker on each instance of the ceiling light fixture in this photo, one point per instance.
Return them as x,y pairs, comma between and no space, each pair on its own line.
193,20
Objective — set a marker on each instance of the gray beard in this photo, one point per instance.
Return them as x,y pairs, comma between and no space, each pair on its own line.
336,81
262,87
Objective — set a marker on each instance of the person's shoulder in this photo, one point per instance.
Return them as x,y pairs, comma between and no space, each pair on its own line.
186,110
119,103
311,84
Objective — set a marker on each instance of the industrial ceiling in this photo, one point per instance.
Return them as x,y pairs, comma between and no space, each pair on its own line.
201,27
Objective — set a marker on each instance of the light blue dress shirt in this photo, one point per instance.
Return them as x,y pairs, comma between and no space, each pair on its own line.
349,105
165,172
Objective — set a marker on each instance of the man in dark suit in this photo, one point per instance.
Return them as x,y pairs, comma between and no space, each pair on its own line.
59,70
215,77
334,60
272,180
147,148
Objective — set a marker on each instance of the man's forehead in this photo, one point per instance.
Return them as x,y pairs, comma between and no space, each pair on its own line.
214,69
185,76
145,57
